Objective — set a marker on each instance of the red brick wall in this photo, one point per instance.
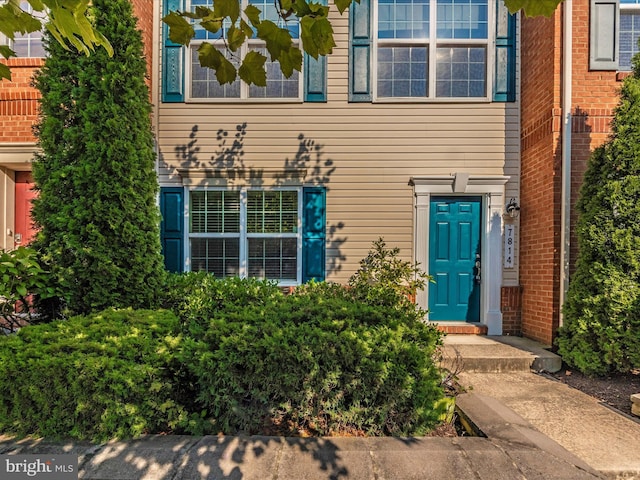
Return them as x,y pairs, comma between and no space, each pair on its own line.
19,101
594,95
540,175
511,308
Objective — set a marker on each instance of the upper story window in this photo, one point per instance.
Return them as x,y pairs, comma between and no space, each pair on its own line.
431,49
202,84
28,45
629,32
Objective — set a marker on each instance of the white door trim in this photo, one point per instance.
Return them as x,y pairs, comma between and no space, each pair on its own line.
492,190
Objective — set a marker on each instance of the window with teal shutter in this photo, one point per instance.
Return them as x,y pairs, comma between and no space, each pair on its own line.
172,227
421,50
202,84
314,234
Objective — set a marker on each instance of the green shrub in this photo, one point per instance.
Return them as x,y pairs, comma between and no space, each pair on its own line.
99,223
601,331
197,296
109,375
318,360
21,277
385,279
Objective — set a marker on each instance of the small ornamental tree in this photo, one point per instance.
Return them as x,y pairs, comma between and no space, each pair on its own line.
601,331
96,210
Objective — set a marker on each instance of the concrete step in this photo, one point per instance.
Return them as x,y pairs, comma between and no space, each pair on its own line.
497,354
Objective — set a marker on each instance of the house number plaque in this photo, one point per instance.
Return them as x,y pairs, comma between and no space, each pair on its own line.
509,249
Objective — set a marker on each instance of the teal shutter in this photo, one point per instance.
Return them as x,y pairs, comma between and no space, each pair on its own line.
172,227
504,87
313,233
360,51
315,79
603,35
172,60
315,76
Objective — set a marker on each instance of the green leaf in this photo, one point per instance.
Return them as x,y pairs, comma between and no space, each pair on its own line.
6,52
180,30
246,28
212,25
235,38
276,39
253,14
14,20
37,5
532,8
252,69
227,8
317,36
290,61
342,5
5,72
213,58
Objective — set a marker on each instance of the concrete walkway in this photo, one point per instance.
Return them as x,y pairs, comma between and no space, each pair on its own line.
534,427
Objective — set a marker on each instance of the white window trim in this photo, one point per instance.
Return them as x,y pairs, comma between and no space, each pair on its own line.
244,88
243,235
489,43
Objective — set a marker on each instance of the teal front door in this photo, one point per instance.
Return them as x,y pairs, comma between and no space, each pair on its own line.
455,258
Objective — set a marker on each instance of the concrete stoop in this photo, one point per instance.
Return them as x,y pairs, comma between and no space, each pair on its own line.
635,404
497,354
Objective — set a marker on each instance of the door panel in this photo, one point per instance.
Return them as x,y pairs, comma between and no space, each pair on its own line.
24,228
454,248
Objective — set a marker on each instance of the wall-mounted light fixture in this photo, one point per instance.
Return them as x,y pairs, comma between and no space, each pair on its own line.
512,210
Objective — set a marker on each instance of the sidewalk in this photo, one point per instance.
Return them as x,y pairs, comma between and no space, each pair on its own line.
535,428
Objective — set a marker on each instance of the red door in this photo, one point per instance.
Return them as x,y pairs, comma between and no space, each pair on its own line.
24,228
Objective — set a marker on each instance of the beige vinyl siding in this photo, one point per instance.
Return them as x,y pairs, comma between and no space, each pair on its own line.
364,153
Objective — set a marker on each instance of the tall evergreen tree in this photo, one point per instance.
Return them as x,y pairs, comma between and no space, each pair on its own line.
97,212
601,331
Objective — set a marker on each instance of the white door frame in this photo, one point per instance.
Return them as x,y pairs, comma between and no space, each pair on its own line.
492,190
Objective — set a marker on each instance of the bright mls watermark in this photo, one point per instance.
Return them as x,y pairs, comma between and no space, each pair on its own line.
45,466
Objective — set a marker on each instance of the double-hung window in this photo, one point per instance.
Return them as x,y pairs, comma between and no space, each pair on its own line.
247,233
429,49
202,84
629,32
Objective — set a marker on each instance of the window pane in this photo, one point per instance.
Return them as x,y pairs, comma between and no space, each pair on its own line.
204,83
463,19
629,34
272,212
461,72
269,12
278,86
402,71
273,258
220,256
215,212
403,19
29,45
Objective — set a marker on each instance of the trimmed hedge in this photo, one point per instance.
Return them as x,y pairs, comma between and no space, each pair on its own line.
99,377
319,361
243,357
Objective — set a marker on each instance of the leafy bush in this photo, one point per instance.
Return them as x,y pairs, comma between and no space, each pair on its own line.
385,279
21,277
109,375
320,361
601,331
196,296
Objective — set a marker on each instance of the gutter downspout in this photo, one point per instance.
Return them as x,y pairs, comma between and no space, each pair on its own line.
565,216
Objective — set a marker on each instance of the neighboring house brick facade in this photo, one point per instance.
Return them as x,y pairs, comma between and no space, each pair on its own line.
598,63
18,114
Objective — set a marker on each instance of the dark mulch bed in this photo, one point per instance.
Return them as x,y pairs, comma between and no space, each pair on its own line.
613,390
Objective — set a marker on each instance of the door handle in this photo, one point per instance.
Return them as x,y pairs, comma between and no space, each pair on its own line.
17,238
478,276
